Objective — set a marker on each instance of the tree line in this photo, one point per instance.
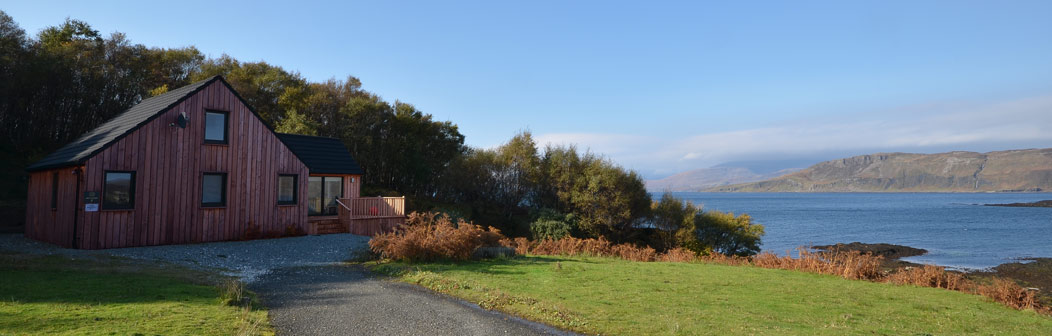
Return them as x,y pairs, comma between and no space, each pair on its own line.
69,78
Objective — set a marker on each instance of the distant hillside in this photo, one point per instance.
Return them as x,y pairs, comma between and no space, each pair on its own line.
1013,170
701,179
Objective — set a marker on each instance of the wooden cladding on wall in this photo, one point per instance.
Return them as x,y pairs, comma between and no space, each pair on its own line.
169,163
52,225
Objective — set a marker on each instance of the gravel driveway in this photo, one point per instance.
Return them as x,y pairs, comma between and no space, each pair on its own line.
247,260
309,291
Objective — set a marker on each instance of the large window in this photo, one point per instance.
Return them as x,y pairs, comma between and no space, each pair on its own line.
215,127
287,189
118,192
322,193
213,190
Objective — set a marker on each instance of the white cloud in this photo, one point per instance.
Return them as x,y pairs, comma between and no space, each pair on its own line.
941,127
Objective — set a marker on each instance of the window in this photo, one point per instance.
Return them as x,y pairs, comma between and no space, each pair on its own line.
215,127
322,193
213,190
287,189
118,192
54,190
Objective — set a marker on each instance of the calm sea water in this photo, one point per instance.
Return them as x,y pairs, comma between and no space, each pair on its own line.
955,230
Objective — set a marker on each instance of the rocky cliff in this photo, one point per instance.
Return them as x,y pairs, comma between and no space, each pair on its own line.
1013,170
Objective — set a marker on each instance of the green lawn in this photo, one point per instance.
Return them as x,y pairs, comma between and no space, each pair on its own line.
53,295
610,296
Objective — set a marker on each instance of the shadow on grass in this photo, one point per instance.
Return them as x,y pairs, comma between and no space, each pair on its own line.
53,279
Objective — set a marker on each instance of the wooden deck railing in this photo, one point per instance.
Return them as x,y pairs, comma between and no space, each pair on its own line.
371,215
371,207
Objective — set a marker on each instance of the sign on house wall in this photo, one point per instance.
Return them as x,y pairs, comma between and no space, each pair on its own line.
91,201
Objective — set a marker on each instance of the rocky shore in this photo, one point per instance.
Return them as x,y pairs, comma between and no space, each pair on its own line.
888,251
1028,272
892,253
1038,204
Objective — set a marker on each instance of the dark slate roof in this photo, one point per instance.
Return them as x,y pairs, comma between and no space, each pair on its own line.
109,132
321,155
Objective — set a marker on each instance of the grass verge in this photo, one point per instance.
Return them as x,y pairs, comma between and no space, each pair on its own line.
612,296
58,296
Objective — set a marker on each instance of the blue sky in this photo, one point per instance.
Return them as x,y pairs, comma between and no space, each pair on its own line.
657,86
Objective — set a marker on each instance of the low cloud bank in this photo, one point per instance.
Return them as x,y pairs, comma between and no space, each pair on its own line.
1024,123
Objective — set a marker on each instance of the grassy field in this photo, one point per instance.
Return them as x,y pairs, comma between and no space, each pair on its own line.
59,296
611,296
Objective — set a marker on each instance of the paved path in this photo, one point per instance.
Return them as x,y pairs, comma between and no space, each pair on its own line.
348,300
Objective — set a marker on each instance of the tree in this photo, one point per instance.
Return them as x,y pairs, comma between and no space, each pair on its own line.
516,170
297,123
326,101
552,225
499,185
673,220
607,200
725,233
269,89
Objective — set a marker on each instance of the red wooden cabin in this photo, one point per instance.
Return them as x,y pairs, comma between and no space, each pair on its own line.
197,164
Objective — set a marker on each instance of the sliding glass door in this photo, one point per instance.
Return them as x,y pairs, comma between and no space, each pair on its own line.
322,193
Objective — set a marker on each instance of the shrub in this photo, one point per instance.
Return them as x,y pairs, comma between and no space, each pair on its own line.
673,219
680,223
570,246
725,233
549,229
928,276
551,224
723,259
1011,294
848,265
678,255
432,236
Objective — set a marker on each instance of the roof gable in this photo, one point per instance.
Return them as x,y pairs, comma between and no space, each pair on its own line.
104,135
321,155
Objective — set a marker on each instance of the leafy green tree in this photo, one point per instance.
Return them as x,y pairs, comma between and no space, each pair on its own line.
499,185
725,233
608,200
171,68
297,123
515,172
326,102
673,220
269,89
552,225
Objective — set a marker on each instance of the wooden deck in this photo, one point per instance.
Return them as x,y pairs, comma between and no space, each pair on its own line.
369,216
